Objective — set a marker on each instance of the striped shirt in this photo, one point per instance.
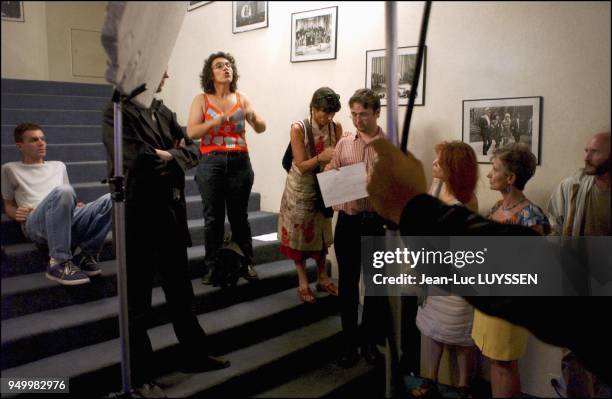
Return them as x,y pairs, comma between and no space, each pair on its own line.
352,149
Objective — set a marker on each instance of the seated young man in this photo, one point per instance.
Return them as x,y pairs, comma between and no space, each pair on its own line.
36,193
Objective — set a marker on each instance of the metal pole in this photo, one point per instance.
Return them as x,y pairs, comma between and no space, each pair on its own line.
391,70
120,250
394,381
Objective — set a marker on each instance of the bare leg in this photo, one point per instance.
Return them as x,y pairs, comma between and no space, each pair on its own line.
433,353
301,271
465,361
505,379
322,276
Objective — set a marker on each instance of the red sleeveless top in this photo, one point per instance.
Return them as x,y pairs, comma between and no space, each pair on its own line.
228,137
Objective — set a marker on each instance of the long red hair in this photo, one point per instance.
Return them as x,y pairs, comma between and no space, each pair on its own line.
458,161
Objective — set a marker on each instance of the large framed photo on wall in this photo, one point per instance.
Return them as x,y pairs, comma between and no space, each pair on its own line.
249,15
314,34
492,123
376,74
12,11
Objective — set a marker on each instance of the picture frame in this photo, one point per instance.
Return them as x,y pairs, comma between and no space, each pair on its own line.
249,15
196,4
314,35
12,11
525,126
376,74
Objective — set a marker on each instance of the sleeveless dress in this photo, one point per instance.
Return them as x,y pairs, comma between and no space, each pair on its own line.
446,319
228,137
496,338
303,230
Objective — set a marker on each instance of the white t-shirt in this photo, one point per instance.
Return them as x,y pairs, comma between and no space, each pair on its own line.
28,184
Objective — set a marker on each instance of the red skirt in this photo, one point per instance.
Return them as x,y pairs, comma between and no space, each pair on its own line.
301,256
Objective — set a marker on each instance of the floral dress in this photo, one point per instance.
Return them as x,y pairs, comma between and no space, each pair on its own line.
302,229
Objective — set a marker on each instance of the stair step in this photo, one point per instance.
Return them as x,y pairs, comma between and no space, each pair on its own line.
51,117
86,171
239,328
67,328
61,134
58,88
75,152
53,101
324,381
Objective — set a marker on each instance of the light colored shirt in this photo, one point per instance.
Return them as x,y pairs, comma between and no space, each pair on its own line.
28,184
352,149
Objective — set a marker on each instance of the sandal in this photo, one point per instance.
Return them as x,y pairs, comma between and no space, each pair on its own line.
306,295
427,389
330,288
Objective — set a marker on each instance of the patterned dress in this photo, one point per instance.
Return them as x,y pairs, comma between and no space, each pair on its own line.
496,338
302,230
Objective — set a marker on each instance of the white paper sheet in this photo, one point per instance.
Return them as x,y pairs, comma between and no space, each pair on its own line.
343,185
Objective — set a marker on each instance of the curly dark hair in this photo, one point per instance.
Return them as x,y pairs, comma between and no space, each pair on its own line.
326,100
518,159
206,77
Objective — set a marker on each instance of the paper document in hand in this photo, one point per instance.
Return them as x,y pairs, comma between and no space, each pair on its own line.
343,185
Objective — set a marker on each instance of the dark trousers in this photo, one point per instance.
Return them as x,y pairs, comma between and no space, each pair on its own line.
155,246
487,140
225,181
347,244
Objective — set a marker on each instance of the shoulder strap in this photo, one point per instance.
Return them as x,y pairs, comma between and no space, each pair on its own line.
238,99
308,132
205,102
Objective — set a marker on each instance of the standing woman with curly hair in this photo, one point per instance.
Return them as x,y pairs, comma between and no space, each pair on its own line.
447,320
225,177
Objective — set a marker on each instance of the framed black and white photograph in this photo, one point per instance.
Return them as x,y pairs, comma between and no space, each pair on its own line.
195,4
313,35
376,74
492,123
249,15
12,11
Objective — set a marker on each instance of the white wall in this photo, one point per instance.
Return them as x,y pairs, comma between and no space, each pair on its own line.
24,44
59,40
557,50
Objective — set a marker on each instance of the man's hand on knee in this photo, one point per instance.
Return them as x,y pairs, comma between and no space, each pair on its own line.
22,213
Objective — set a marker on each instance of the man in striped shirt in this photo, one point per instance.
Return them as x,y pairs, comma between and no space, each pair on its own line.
355,219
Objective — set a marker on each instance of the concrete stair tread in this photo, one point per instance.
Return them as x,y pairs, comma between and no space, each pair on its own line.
94,357
251,358
37,281
74,315
319,382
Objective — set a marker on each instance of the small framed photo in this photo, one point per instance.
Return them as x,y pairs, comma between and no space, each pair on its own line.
12,11
249,15
376,72
314,35
195,4
492,123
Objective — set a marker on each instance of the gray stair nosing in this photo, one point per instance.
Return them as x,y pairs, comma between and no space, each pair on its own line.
106,353
52,95
32,324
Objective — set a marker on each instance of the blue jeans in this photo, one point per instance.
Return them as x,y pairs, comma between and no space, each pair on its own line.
225,181
58,223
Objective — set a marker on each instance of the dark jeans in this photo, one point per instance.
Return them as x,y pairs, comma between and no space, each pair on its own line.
487,140
225,181
347,244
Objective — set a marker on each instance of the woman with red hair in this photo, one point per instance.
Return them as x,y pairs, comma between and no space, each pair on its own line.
447,320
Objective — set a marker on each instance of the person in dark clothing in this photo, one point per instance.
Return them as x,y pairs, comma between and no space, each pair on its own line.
397,191
156,154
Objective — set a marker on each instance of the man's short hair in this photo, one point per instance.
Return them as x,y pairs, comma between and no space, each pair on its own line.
367,98
22,128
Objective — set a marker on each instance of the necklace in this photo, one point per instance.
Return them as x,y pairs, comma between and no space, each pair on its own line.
507,208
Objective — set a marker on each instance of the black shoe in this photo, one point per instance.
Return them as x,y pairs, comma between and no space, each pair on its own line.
149,390
249,274
209,363
372,355
349,358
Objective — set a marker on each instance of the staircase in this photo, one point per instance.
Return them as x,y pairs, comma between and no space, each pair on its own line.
278,346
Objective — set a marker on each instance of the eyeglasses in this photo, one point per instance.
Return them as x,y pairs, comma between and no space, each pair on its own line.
221,65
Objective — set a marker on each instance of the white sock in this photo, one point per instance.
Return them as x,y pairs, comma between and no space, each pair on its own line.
53,262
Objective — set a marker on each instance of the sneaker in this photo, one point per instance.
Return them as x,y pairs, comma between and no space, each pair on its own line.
67,273
249,274
89,265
